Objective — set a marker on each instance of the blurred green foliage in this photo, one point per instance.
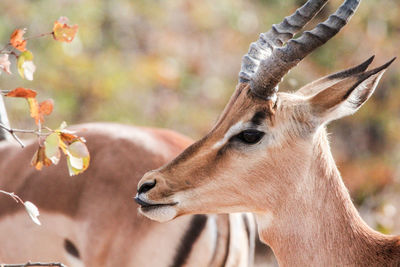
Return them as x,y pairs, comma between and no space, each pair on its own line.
174,64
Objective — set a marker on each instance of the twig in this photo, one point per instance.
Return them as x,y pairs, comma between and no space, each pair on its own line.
39,36
14,54
4,92
59,264
5,52
10,52
14,196
6,45
12,132
26,39
20,130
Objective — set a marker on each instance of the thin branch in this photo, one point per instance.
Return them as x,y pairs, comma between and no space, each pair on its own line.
26,39
14,196
39,36
10,52
14,54
1,50
12,132
19,130
4,92
39,127
5,52
59,264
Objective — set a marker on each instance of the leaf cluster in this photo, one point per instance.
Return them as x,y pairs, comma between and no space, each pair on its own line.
51,142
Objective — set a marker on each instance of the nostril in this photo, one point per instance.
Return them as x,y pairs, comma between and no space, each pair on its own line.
146,186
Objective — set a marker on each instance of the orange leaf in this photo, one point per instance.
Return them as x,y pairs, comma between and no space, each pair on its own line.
46,107
34,109
39,159
22,92
63,32
68,138
38,111
17,39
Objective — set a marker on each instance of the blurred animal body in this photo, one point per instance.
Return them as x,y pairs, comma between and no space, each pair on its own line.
268,154
91,220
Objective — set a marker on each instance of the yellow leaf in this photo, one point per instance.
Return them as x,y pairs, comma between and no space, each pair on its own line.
78,157
52,150
63,32
25,65
34,109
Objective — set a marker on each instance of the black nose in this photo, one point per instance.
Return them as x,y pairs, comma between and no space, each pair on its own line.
146,186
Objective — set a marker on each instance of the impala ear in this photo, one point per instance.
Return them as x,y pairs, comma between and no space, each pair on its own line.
327,81
347,95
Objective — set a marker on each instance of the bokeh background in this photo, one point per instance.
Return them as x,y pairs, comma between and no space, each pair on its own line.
174,64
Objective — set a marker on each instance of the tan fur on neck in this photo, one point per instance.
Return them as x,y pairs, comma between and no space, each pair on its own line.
319,225
288,178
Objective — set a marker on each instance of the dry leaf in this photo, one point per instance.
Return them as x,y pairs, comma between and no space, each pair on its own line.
22,92
38,111
5,63
46,107
39,159
67,137
34,109
33,211
63,32
17,39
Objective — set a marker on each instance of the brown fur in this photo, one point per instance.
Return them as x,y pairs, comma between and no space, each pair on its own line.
95,211
288,179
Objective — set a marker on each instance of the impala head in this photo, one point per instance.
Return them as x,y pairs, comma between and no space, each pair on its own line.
263,140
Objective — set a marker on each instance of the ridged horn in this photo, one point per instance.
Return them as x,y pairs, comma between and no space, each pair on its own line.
275,52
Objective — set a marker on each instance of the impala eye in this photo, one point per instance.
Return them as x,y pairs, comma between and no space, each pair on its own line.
250,136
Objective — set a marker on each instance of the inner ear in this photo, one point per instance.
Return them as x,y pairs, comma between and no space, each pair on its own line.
346,96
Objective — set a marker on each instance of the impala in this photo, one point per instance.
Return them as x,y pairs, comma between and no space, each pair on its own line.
89,220
268,154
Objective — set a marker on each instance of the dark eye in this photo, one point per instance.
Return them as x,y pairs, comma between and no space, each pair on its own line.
250,136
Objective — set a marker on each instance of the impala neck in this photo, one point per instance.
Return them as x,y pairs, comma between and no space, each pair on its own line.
318,224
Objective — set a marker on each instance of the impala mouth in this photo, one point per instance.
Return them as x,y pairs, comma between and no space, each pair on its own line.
161,212
145,206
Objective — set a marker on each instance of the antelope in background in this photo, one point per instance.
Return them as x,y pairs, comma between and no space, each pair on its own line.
89,220
268,154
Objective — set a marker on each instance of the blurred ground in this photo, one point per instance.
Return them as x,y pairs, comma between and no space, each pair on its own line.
174,64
